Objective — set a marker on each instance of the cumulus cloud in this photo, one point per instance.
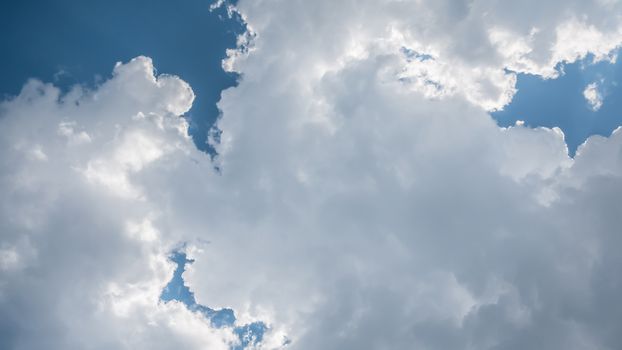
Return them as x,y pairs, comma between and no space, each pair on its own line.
83,259
364,197
593,96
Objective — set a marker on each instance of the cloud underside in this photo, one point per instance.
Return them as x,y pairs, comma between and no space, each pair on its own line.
362,196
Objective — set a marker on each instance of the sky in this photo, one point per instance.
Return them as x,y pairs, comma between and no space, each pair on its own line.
562,103
310,175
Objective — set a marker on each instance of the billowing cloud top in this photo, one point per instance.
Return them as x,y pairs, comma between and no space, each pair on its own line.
362,196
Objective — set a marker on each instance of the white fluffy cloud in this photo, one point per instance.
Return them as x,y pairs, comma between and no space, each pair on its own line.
365,197
83,256
593,96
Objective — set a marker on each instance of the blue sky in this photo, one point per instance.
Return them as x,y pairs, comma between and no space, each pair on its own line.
560,102
359,195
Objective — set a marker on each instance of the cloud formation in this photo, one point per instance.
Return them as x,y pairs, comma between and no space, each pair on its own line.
84,258
364,199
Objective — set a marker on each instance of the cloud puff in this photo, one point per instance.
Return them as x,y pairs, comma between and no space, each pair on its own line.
593,96
364,198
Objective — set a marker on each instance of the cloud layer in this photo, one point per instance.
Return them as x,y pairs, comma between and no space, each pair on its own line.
364,197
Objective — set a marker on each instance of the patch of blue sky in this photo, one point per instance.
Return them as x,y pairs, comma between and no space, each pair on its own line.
176,289
563,102
72,41
415,55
